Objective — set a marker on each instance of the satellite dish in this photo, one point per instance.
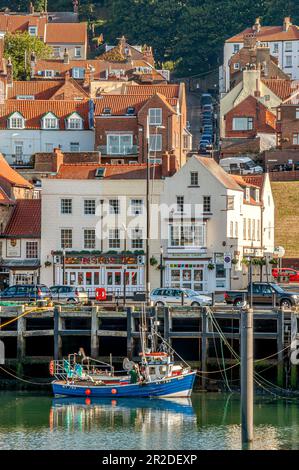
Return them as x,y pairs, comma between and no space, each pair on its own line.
127,364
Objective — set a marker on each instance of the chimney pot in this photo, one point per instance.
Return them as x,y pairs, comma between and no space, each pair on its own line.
66,57
287,23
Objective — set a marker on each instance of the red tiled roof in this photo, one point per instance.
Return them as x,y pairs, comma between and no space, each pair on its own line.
57,65
41,89
169,91
281,87
4,199
34,110
256,180
78,171
269,33
12,176
15,23
120,103
243,182
25,220
66,33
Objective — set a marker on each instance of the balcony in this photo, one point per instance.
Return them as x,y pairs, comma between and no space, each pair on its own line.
115,151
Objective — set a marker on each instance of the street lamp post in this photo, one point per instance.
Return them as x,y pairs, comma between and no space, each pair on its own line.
161,266
63,267
125,265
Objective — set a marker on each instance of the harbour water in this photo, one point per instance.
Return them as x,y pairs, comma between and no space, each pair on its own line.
207,421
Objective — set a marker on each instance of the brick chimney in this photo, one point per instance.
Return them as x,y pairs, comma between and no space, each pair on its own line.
165,164
249,40
31,8
287,23
67,76
57,160
257,25
173,164
148,54
89,76
9,72
66,57
32,64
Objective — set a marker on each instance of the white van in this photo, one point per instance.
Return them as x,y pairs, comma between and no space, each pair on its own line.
241,165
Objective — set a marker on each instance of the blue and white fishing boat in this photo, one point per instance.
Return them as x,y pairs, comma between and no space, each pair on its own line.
154,375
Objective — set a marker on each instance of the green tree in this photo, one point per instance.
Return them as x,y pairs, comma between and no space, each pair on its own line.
19,47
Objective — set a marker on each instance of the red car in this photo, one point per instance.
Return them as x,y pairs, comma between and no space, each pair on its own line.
292,274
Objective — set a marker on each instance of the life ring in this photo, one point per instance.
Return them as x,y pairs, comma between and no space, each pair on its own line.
114,391
51,367
87,391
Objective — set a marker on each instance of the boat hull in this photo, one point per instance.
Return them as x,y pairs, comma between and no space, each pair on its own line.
179,386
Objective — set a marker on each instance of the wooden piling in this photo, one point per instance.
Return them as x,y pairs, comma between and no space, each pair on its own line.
57,336
130,340
94,338
204,346
21,344
280,346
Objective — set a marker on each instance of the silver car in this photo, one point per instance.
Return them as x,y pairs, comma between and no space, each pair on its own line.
70,294
170,296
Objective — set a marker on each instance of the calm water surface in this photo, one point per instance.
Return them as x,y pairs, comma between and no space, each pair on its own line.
208,421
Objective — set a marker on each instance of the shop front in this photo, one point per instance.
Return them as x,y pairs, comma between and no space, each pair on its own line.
19,272
189,274
112,272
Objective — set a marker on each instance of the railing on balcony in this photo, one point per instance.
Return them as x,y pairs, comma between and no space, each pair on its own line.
23,160
118,152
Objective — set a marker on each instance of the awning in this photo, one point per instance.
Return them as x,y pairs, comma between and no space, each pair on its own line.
20,264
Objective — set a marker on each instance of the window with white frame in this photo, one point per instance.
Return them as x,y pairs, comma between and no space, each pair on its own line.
275,48
253,230
56,51
136,206
289,61
114,238
136,238
244,229
66,238
16,121
31,250
236,230
231,229
236,66
114,207
297,113
155,116
155,142
74,147
187,235
247,194
66,206
296,139
77,51
258,230
249,229
74,121
50,121
119,144
257,195
89,206
194,178
230,203
78,72
288,46
49,73
89,238
236,48
242,124
32,30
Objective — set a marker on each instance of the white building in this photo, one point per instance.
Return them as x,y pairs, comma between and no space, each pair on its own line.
93,218
283,42
31,126
229,222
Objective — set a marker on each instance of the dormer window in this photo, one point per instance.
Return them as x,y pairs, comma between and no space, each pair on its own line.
32,30
16,121
50,121
247,194
78,72
130,111
74,121
49,73
107,111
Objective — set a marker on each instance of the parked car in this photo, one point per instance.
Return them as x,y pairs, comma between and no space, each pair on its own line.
206,98
292,274
26,292
262,294
71,294
242,165
207,137
168,296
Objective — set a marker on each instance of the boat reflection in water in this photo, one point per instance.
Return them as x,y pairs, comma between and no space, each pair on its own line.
86,414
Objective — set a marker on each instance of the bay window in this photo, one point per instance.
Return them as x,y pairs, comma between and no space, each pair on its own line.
187,235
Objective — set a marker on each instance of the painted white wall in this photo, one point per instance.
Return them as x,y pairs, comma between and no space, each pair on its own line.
36,140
